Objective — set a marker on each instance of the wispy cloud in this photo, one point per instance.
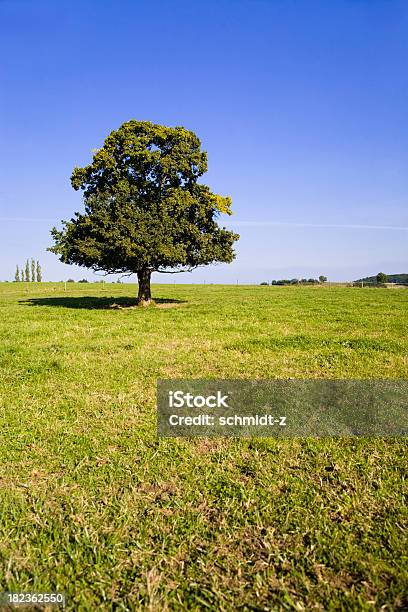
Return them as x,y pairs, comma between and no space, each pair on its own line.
317,225
26,220
252,224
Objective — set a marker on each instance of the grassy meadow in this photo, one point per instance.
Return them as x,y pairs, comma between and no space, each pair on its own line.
95,505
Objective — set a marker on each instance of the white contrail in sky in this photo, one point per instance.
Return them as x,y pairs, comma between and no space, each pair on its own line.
251,224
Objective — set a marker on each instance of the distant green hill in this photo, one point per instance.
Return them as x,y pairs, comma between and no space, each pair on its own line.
400,279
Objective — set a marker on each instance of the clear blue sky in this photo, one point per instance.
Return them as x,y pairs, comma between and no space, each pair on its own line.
301,104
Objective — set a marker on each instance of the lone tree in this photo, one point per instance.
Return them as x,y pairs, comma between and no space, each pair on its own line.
322,279
381,278
17,275
144,208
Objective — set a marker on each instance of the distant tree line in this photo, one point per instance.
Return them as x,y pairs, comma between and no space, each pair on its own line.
298,281
31,272
84,280
382,279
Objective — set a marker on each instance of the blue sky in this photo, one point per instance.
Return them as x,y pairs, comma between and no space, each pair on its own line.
301,105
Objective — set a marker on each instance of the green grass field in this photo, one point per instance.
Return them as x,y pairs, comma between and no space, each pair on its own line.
93,504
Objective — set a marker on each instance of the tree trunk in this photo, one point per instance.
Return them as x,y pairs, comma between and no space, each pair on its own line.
144,297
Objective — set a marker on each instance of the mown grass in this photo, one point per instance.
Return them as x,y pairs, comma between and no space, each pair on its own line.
93,504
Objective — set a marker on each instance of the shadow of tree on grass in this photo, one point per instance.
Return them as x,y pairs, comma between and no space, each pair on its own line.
94,303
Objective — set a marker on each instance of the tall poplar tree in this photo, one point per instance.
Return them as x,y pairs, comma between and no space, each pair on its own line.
39,272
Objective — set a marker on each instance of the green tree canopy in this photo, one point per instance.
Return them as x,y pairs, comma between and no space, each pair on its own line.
144,208
381,278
